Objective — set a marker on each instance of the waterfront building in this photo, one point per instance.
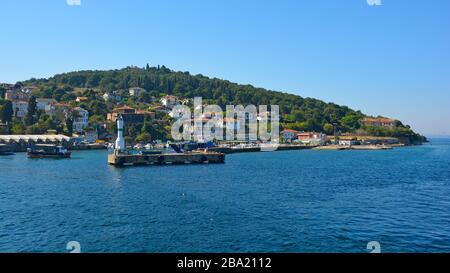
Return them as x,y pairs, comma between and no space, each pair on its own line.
289,135
22,142
80,119
312,138
379,122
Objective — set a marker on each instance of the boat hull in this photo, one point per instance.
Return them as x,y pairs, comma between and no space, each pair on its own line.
47,155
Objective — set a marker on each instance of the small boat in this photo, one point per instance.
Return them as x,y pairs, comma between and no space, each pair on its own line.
48,151
183,147
5,150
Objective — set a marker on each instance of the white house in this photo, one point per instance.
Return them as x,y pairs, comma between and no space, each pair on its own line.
312,138
169,101
57,107
135,91
41,104
80,120
20,108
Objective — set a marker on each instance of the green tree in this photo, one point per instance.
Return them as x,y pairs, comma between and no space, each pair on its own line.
298,115
144,97
328,128
144,137
18,129
7,112
29,118
35,129
69,125
351,122
50,124
298,112
96,119
2,92
298,126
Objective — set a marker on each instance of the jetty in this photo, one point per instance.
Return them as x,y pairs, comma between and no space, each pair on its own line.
122,158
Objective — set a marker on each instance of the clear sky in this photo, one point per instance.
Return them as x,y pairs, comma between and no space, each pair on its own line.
391,59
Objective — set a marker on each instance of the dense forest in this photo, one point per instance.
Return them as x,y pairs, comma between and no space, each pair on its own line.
296,112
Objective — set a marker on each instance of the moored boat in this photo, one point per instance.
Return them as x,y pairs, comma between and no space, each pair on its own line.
48,151
5,150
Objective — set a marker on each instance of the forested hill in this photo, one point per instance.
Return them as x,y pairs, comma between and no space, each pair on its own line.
296,112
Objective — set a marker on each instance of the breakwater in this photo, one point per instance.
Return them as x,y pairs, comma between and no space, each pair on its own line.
121,160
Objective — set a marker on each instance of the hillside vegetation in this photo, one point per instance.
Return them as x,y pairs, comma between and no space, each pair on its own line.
296,112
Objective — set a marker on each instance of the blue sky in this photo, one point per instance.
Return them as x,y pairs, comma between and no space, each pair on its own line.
392,60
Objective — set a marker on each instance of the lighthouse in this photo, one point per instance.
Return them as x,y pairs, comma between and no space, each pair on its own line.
120,141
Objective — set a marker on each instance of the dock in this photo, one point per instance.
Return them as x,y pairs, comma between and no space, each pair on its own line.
123,160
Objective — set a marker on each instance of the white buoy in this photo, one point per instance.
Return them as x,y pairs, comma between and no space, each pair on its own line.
120,141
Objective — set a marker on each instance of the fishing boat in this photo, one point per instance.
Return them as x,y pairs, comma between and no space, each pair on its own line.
48,151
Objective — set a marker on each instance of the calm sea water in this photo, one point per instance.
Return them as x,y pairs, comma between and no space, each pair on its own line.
293,201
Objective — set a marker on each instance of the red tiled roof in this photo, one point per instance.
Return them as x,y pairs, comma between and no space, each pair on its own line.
60,104
145,112
170,97
289,131
125,107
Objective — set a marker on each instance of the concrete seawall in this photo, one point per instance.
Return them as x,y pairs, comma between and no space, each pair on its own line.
121,160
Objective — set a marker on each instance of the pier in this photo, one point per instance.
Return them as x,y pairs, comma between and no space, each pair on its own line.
121,157
123,160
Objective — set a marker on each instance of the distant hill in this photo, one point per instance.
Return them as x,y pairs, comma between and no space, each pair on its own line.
296,112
